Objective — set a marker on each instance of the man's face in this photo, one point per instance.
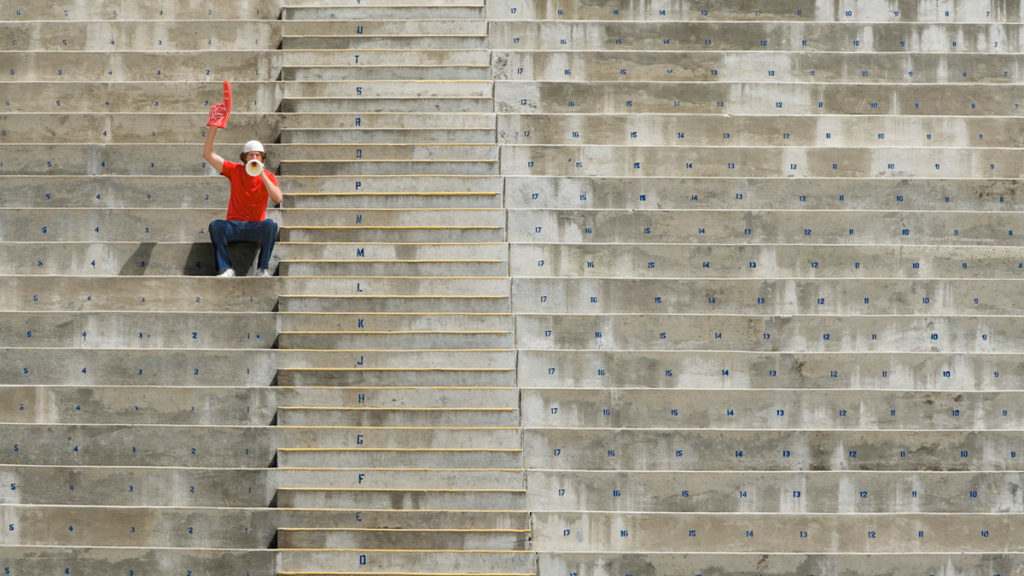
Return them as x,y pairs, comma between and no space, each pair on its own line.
254,155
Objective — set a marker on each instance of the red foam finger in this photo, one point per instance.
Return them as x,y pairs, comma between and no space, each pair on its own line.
227,96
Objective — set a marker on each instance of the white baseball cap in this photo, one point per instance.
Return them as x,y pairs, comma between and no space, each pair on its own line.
253,146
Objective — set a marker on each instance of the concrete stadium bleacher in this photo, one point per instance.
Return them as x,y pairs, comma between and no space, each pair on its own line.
604,288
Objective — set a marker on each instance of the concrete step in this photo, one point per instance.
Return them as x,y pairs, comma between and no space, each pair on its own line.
348,458
785,11
450,499
435,40
578,65
117,258
713,369
129,330
660,161
384,378
113,159
145,527
398,322
139,367
377,479
314,123
396,340
402,539
385,251
379,12
146,9
111,191
982,297
394,184
108,224
121,127
711,130
385,27
762,261
739,533
408,233
770,564
431,268
367,87
384,73
385,136
397,217
874,193
737,98
512,563
333,428
834,35
99,404
776,409
134,445
768,450
390,151
142,66
455,165
136,34
775,227
422,419
803,492
374,58
812,333
405,367
395,303
259,96
393,200
114,559
340,105
136,486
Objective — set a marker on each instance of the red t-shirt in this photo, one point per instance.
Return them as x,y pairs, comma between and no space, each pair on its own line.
248,202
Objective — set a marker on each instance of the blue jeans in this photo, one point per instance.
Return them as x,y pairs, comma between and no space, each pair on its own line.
224,232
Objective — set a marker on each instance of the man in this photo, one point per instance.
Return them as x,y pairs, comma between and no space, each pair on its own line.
246,219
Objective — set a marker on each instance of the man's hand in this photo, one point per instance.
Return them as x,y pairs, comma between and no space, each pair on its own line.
220,111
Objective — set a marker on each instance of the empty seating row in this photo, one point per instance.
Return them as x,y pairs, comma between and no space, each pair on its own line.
812,333
761,261
756,162
817,69
874,11
772,193
719,369
995,37
804,492
824,132
646,408
753,98
81,10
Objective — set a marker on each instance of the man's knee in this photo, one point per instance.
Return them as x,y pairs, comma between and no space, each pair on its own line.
218,228
270,227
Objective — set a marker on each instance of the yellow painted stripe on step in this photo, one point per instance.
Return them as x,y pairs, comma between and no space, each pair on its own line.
409,550
336,469
361,261
456,530
392,369
414,450
396,332
426,490
348,572
450,296
400,409
318,194
391,227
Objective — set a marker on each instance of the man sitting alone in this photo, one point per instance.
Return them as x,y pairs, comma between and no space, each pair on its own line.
246,219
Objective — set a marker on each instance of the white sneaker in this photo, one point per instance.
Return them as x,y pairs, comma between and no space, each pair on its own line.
263,273
227,273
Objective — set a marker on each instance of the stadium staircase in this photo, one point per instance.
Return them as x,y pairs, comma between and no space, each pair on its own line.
563,288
